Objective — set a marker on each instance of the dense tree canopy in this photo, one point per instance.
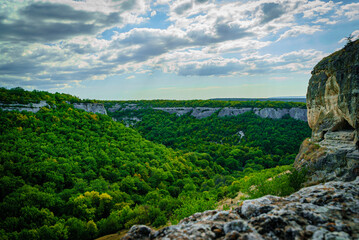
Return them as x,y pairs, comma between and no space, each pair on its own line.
233,142
69,174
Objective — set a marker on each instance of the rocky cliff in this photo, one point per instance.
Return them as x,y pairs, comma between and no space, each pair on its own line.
31,107
333,93
91,107
203,112
326,211
35,107
333,115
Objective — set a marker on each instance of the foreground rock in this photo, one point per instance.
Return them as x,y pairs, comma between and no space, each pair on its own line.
325,211
333,115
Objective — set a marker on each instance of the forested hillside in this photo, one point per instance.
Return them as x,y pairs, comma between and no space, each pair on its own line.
69,174
235,143
19,95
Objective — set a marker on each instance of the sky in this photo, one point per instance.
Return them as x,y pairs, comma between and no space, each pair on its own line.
170,49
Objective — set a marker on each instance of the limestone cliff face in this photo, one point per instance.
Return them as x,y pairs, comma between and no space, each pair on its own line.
31,107
333,93
91,107
35,107
203,112
333,115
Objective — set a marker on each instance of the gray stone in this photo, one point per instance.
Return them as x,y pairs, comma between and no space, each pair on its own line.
179,111
227,111
203,112
257,206
91,107
237,225
31,107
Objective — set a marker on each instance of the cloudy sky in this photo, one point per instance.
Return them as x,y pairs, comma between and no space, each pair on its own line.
169,49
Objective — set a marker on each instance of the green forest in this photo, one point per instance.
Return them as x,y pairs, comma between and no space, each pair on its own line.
69,174
266,142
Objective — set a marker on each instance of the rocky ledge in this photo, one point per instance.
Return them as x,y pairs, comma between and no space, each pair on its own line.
325,211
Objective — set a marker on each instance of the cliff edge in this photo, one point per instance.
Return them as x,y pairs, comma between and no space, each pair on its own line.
333,115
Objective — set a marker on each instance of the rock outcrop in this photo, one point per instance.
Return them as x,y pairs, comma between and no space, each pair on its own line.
35,107
91,107
333,115
31,107
179,111
333,93
325,211
203,112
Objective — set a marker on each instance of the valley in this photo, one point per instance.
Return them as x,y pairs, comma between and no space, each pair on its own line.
68,173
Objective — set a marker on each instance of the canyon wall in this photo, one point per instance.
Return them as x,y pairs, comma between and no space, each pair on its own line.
31,107
35,107
91,107
203,112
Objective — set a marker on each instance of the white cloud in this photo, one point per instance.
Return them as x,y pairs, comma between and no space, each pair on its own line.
326,21
298,30
350,10
204,38
162,2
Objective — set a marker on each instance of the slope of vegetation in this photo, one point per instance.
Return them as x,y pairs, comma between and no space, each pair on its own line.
266,142
69,174
72,174
21,96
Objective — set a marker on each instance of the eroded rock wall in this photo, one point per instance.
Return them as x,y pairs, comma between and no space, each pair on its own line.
31,107
333,115
333,93
91,107
203,112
